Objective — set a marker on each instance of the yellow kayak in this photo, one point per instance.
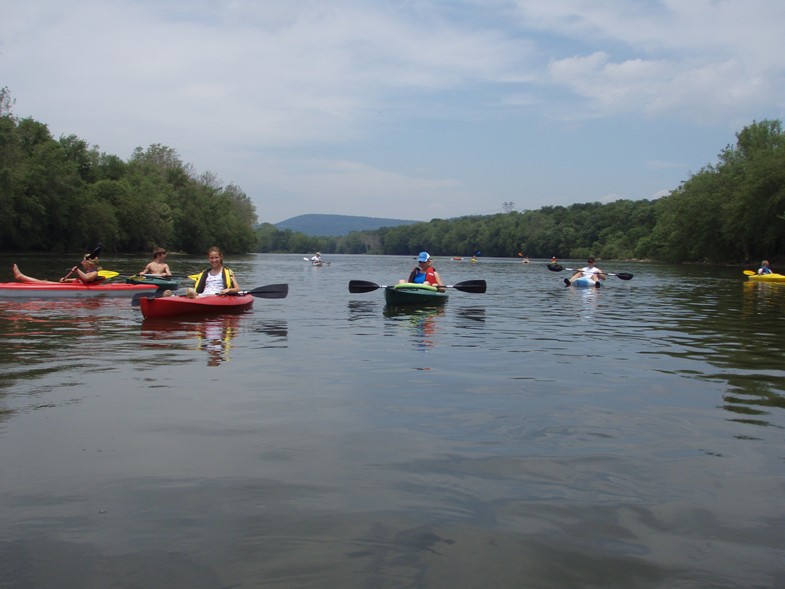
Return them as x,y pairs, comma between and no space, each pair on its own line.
767,277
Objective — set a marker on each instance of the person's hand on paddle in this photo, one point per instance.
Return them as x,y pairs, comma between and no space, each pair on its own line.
65,278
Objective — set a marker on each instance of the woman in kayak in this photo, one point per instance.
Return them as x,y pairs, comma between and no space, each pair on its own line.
217,279
88,274
157,267
424,272
589,271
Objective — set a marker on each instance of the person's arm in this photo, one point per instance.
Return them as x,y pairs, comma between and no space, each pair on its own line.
235,288
439,283
167,272
87,277
91,276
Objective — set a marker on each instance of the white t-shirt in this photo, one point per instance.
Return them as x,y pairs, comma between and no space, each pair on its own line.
214,284
587,272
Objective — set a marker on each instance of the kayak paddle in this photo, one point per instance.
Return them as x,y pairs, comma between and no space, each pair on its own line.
559,268
91,256
271,291
169,276
478,286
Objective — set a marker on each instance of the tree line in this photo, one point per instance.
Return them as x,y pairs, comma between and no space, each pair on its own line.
63,195
729,212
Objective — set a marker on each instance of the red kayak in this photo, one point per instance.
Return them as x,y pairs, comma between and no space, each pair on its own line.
71,289
174,306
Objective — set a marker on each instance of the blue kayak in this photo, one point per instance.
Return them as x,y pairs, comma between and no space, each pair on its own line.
585,283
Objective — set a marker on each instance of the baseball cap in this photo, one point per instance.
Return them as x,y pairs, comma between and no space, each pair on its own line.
423,257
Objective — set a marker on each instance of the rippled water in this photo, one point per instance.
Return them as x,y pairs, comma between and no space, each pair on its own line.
533,436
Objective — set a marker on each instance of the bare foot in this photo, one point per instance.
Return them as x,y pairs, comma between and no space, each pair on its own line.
18,276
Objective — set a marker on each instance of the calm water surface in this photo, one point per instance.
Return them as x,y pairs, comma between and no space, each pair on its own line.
534,436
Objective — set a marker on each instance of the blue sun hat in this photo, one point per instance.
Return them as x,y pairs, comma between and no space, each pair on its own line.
423,257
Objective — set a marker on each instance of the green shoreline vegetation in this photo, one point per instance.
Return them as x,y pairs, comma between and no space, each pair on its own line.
61,195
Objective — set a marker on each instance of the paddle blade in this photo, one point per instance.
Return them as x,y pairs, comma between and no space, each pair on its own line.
362,286
624,275
94,254
107,273
478,286
749,273
144,295
555,267
271,291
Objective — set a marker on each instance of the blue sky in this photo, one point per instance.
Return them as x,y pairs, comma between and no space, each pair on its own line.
409,109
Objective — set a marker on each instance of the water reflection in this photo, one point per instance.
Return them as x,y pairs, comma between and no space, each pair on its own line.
420,321
470,317
763,298
210,334
362,310
718,336
44,336
752,398
276,329
52,317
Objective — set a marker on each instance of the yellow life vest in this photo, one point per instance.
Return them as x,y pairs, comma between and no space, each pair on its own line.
227,276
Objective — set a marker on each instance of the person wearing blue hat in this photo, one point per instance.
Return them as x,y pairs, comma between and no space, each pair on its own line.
424,272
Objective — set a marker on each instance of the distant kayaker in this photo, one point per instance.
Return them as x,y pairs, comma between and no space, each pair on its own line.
87,275
764,268
589,271
316,259
217,279
424,272
158,267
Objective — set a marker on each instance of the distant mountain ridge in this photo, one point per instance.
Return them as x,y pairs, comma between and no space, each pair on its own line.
337,225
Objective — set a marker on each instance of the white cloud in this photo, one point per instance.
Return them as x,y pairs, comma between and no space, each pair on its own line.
404,94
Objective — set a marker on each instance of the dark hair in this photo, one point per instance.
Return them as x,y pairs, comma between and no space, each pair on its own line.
590,260
158,251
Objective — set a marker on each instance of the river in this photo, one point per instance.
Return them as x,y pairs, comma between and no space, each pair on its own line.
534,436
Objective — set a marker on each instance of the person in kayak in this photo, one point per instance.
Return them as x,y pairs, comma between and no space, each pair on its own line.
88,274
157,267
764,268
316,259
589,271
424,273
217,279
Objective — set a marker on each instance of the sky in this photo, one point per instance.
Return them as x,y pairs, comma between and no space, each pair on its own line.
405,109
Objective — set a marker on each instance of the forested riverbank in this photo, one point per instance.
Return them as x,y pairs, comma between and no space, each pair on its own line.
63,195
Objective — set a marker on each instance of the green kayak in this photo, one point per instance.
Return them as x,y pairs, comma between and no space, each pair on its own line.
407,293
161,283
